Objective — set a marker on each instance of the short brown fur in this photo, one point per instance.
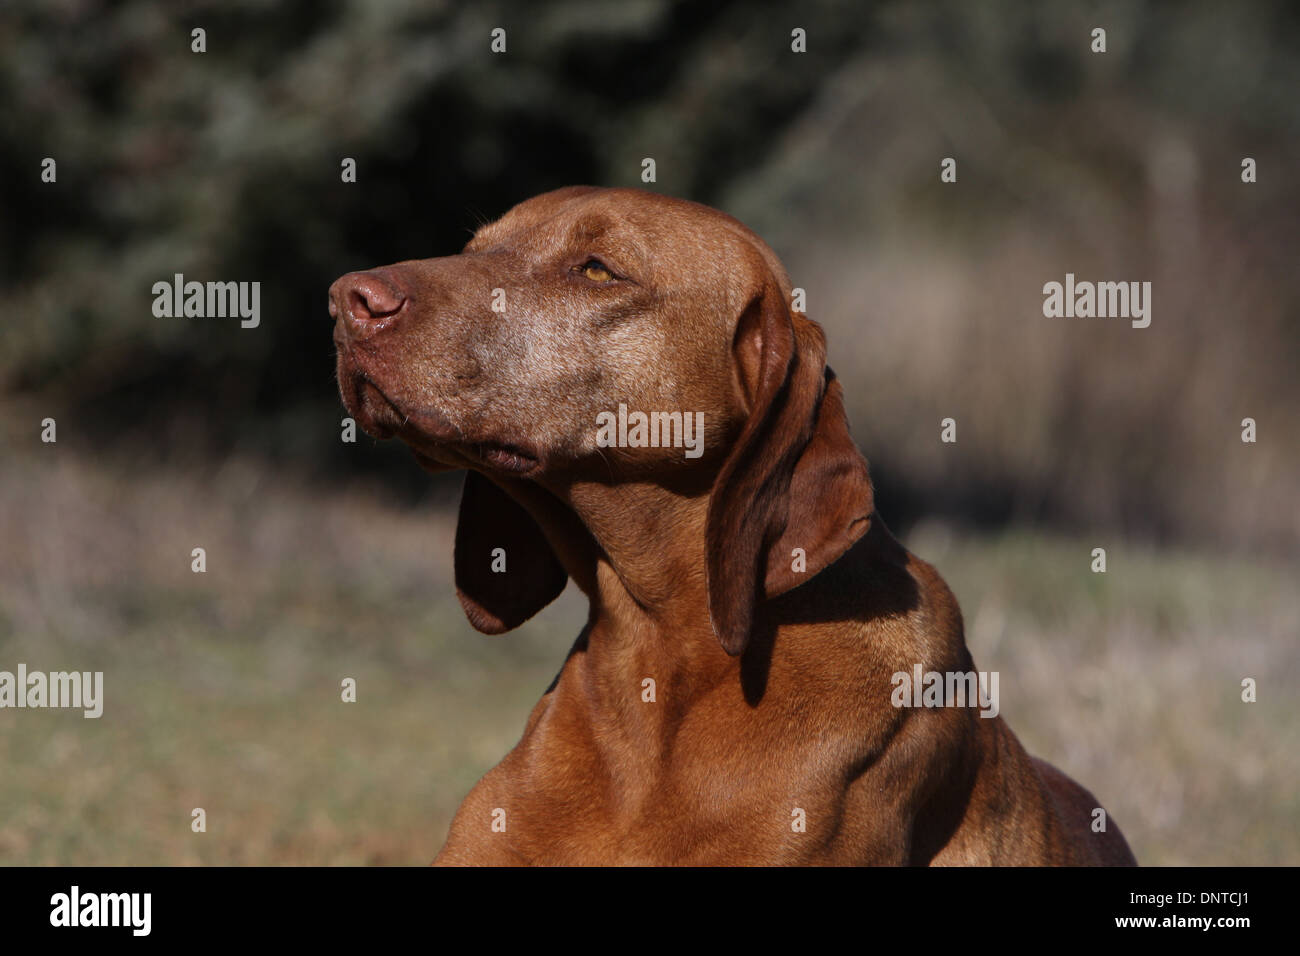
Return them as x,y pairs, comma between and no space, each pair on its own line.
772,684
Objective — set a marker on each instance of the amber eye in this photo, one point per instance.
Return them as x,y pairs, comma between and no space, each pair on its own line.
595,271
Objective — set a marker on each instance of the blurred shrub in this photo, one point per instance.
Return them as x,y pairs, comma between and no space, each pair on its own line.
1117,166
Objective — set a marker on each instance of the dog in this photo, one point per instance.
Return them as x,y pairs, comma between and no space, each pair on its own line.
638,408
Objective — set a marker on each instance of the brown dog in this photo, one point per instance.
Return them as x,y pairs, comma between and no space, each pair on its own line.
734,696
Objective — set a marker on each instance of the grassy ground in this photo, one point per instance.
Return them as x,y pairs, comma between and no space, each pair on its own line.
223,689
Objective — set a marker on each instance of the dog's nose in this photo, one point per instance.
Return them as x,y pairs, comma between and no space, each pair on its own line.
367,302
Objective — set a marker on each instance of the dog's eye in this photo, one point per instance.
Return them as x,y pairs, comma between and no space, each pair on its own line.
595,270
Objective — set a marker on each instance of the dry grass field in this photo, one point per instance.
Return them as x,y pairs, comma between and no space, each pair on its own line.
223,689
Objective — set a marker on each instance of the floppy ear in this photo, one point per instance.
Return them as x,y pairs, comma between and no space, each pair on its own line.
794,478
499,601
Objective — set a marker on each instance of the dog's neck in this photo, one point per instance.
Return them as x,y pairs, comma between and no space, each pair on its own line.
649,637
646,601
649,605
665,583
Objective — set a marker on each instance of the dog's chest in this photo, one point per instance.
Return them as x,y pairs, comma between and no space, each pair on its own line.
729,784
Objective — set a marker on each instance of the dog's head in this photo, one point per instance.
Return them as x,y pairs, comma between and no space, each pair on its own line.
590,333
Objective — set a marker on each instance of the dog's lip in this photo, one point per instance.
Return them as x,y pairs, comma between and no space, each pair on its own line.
430,433
427,427
377,414
507,457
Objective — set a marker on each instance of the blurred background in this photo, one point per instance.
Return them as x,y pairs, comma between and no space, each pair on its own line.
329,560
